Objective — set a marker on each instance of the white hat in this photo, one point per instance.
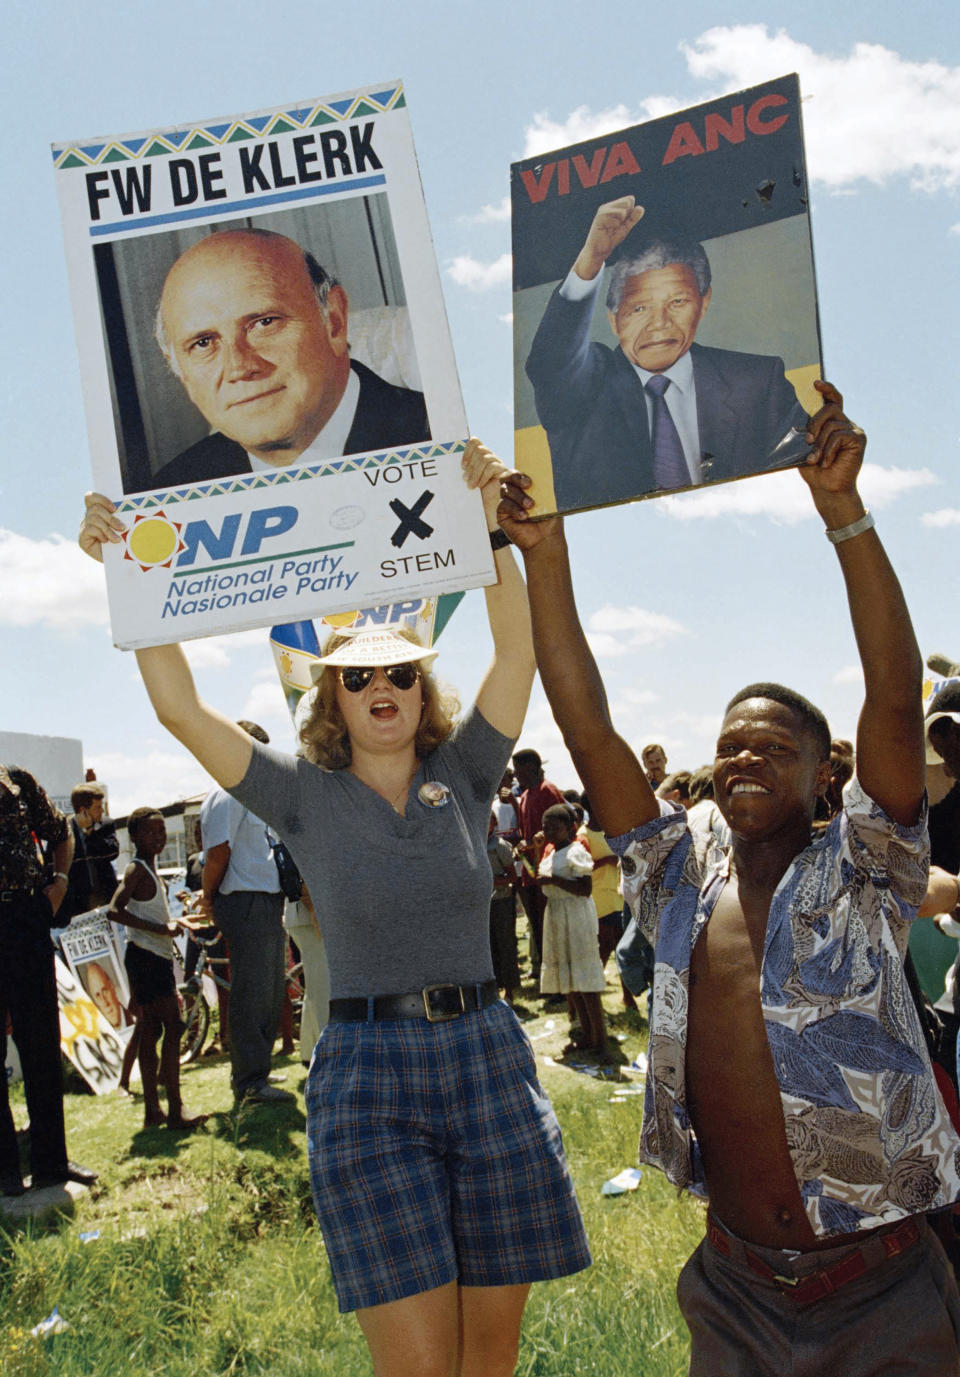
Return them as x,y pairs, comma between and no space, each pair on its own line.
933,756
376,646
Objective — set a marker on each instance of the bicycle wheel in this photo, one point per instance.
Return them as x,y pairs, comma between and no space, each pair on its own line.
196,1022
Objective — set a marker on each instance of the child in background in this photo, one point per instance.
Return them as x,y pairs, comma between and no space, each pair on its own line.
607,894
141,904
571,958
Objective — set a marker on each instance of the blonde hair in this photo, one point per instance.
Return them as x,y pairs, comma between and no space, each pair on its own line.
323,735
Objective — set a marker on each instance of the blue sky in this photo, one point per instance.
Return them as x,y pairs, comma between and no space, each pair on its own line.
686,599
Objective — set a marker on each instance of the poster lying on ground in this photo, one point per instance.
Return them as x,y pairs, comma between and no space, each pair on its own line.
666,332
94,998
269,383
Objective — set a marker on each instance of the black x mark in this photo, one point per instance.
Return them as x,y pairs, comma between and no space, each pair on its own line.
410,519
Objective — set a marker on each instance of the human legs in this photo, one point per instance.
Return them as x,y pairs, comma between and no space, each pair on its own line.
28,989
418,1336
490,1319
534,903
132,1050
589,1010
150,1026
169,1013
503,941
451,1331
251,923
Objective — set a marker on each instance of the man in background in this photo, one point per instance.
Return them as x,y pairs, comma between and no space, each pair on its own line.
93,879
654,759
30,900
242,895
537,795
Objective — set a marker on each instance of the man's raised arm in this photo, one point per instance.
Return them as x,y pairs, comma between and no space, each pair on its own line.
612,776
890,751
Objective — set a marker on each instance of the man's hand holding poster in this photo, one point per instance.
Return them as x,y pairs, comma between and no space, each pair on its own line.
665,315
271,394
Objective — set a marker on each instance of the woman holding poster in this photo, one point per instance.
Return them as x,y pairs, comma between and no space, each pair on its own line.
436,1162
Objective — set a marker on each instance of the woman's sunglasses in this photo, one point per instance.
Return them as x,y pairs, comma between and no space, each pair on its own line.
354,678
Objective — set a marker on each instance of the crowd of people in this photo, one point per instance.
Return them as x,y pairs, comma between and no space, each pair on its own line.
766,901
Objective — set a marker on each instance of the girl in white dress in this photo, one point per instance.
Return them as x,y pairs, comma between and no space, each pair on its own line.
571,953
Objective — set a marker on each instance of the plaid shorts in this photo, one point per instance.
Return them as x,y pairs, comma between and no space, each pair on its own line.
435,1156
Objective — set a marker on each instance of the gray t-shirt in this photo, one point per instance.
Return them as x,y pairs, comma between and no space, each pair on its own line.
402,902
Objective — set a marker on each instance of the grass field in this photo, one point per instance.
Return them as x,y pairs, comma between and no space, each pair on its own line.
208,1259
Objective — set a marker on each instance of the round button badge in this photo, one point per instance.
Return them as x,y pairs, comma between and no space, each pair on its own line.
433,794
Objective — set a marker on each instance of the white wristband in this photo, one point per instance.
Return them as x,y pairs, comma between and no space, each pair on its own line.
866,523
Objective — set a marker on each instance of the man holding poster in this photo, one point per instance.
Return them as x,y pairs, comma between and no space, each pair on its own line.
256,330
813,1125
660,412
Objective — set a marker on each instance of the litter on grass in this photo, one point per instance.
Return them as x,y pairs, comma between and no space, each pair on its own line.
626,1180
625,1092
53,1324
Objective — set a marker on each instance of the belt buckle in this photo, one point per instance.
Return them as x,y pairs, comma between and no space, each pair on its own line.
787,1281
441,1017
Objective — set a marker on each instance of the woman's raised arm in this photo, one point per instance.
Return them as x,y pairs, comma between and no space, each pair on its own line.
221,747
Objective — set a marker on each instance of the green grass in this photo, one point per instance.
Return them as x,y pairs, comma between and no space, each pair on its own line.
209,1260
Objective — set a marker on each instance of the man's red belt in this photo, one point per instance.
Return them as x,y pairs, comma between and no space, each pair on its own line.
876,1249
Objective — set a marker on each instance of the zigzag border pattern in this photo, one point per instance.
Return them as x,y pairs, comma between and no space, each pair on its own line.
162,145
167,497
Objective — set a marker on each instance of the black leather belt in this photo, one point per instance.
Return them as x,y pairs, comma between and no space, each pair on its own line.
436,1003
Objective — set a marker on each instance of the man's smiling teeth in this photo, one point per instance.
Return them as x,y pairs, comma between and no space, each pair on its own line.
749,789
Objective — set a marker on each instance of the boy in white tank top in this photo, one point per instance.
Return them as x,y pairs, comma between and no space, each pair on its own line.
141,904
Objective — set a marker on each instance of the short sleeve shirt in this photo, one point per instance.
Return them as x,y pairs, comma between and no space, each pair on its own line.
252,867
869,1136
403,901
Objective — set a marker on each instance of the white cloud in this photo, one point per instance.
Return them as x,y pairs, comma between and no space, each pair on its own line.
506,319
868,114
849,674
489,215
266,701
209,653
545,134
467,271
943,516
49,582
216,652
782,497
955,229
613,631
154,778
636,697
881,487
911,129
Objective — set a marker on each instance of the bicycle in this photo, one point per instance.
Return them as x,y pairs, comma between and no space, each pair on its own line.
193,999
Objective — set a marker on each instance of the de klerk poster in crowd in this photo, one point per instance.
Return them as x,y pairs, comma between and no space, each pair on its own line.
269,383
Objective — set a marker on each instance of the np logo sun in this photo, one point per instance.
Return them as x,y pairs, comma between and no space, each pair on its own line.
153,540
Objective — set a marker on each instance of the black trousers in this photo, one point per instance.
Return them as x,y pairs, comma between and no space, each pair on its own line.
28,991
